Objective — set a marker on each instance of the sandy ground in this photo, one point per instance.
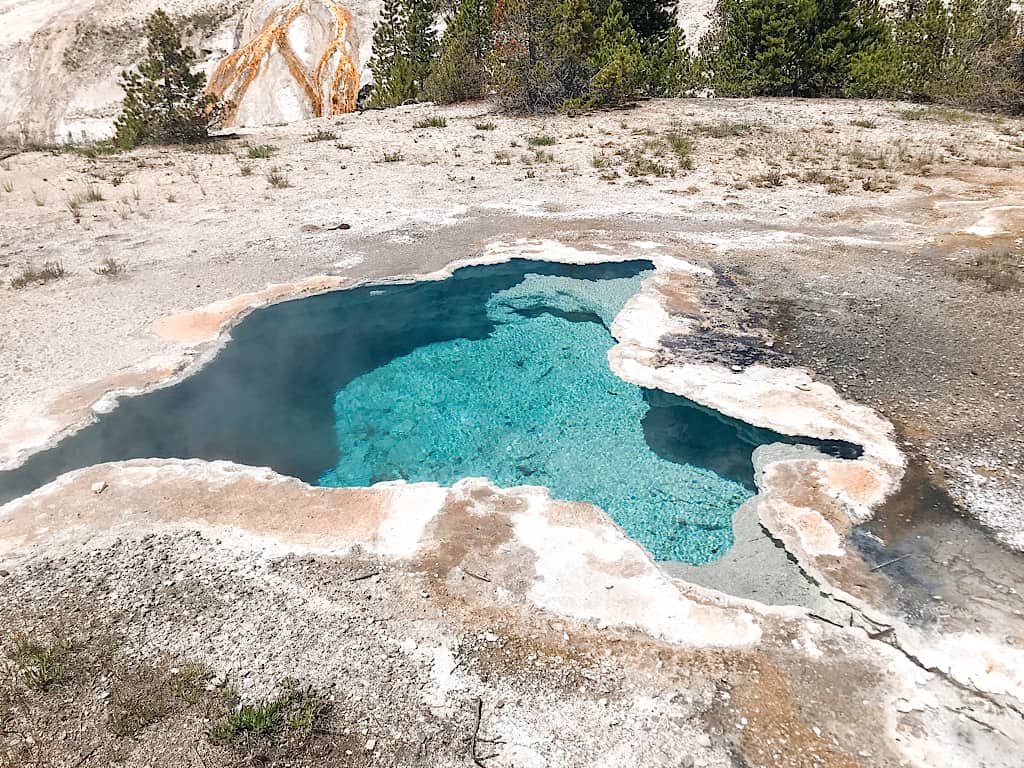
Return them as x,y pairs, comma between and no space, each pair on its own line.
878,245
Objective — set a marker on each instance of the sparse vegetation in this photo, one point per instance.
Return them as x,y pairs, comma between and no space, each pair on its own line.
147,694
723,129
485,126
261,152
682,147
41,664
321,134
277,178
110,267
7,184
434,121
541,140
771,178
393,157
294,714
863,123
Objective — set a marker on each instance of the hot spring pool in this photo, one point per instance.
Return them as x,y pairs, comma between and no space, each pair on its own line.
499,371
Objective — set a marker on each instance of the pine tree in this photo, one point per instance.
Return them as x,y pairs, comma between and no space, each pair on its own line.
922,38
393,81
618,59
165,101
573,42
671,69
459,73
758,47
652,19
524,65
840,30
420,39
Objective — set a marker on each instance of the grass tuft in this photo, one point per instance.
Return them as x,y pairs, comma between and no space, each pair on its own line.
110,267
682,146
277,178
321,134
434,121
541,140
485,126
723,129
29,275
294,713
41,665
261,152
999,271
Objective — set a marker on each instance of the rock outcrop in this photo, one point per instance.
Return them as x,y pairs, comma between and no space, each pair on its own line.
276,60
296,60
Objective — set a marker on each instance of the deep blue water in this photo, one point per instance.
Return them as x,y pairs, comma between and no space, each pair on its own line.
500,371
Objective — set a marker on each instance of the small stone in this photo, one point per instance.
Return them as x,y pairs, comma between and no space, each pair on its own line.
737,369
371,745
490,637
424,594
99,487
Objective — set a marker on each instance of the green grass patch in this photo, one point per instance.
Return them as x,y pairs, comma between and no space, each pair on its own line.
294,713
261,152
541,140
434,121
41,664
682,147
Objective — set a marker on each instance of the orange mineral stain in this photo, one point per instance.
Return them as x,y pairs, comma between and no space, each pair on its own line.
328,90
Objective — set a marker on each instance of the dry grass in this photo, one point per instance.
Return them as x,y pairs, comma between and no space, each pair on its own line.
277,178
110,267
321,134
29,275
723,129
434,121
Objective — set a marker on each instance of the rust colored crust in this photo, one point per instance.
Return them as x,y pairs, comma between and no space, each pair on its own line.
234,75
775,732
205,324
294,513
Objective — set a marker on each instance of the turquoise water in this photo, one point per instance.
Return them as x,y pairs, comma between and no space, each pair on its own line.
499,371
534,402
